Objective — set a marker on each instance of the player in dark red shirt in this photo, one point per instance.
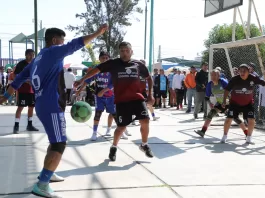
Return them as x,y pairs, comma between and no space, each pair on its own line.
126,74
25,94
241,88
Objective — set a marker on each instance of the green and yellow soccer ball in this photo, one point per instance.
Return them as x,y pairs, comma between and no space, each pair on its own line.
81,111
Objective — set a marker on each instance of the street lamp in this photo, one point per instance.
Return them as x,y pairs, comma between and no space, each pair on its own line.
36,25
145,29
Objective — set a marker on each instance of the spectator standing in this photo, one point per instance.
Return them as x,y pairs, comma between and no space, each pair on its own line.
161,86
69,79
172,93
178,86
190,83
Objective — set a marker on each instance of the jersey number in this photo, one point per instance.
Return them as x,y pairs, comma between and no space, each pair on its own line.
35,80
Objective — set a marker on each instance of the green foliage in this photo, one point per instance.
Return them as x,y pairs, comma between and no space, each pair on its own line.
223,34
117,13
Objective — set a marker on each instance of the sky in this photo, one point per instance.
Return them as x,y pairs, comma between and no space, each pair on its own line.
179,25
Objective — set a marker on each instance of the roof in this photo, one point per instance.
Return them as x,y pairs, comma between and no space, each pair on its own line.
41,34
20,38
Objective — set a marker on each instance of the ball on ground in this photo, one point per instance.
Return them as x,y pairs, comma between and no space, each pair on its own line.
81,111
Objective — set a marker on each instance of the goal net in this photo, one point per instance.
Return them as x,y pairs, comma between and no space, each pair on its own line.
229,56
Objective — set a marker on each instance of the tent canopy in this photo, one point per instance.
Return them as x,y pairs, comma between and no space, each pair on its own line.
20,38
41,34
174,59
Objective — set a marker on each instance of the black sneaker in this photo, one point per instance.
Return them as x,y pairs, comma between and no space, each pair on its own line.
200,133
147,150
195,116
15,129
112,153
32,128
188,111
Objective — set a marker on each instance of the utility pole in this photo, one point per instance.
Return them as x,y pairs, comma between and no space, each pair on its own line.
145,28
36,25
151,36
41,41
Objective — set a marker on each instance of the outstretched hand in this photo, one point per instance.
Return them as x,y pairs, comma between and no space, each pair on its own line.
103,28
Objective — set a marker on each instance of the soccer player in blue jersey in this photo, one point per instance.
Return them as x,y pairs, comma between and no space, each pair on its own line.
104,98
47,78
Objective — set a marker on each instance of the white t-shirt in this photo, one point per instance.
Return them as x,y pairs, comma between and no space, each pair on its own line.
69,79
177,81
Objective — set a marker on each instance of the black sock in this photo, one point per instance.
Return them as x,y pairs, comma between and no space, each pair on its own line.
30,123
16,124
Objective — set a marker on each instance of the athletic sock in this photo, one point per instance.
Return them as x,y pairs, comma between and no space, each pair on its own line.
245,132
45,176
113,146
144,143
30,121
153,114
17,122
95,128
204,129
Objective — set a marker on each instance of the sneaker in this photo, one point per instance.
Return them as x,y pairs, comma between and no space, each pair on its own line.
15,129
195,116
32,128
224,139
108,132
127,133
55,178
200,133
44,191
147,150
112,153
94,137
164,106
188,111
155,118
249,140
123,136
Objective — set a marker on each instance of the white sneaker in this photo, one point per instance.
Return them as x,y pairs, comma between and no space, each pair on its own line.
123,136
249,140
224,139
155,118
56,178
94,137
108,132
127,133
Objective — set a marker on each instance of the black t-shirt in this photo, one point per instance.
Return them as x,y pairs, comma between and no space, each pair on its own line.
126,78
242,90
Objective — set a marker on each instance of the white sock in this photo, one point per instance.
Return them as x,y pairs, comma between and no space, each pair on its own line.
17,120
109,128
144,143
30,119
113,146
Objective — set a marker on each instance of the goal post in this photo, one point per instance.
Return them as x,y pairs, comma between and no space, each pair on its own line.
231,55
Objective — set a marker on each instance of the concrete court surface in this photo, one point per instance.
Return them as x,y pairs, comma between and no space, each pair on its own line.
184,164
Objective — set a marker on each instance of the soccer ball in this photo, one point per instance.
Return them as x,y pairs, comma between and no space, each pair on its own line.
81,111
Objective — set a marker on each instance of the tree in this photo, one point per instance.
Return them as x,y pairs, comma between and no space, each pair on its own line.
116,13
223,34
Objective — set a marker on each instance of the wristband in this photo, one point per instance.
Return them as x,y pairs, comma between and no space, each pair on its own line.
7,95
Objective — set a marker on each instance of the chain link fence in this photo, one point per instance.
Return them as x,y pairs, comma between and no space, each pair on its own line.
229,59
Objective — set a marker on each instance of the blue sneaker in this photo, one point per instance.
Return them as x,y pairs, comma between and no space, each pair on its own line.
44,191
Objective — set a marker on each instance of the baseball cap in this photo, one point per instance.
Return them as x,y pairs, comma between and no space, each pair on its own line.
243,66
103,53
174,68
218,68
192,67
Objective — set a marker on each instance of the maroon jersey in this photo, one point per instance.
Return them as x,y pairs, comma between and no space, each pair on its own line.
126,78
25,87
242,90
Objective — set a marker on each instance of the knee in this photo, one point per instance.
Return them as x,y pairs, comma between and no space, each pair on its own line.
58,147
144,121
211,114
120,129
97,115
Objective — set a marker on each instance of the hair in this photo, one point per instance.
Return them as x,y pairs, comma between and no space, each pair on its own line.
143,61
104,53
216,71
69,69
53,32
28,51
125,44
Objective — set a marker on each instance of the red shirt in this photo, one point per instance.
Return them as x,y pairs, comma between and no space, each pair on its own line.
126,78
25,87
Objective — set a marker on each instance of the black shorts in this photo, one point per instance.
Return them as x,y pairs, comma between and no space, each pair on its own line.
235,110
160,94
220,107
126,110
26,100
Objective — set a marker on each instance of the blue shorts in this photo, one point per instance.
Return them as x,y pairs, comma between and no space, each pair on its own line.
54,125
102,103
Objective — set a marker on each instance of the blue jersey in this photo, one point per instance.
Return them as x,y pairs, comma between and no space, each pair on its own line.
103,81
47,76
